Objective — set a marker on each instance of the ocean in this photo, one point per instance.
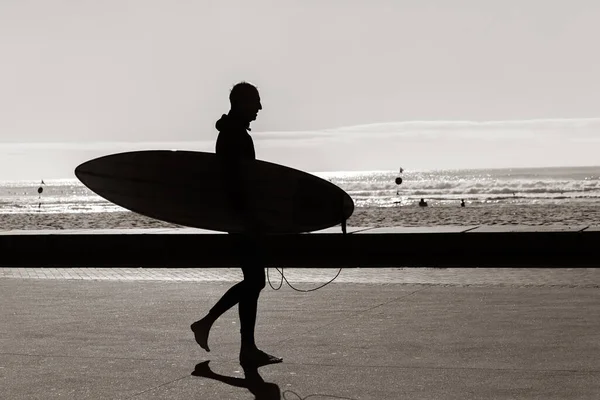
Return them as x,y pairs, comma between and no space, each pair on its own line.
369,189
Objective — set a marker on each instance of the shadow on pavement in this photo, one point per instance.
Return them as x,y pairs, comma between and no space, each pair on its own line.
253,381
256,384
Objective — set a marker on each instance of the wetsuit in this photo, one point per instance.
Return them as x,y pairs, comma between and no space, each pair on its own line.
234,144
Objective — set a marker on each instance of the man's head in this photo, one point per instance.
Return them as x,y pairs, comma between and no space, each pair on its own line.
245,101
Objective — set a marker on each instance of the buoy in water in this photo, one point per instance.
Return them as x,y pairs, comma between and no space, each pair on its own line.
40,190
398,181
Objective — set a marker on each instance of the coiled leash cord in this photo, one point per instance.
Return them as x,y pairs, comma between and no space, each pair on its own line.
283,278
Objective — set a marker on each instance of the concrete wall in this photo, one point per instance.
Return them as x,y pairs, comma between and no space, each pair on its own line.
449,246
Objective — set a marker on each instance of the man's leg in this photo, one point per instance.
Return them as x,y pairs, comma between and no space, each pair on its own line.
232,297
254,281
202,327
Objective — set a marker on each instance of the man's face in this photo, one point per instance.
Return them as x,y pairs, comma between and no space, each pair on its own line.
250,106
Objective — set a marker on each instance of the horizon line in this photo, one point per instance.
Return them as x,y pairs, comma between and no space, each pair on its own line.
363,171
324,130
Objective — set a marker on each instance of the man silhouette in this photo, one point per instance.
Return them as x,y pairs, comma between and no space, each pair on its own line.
235,145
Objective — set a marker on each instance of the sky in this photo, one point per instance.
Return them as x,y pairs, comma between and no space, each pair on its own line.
345,85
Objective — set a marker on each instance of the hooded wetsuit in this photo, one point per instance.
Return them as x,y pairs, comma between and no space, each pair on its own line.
234,145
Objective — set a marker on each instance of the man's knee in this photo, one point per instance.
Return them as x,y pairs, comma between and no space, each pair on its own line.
254,284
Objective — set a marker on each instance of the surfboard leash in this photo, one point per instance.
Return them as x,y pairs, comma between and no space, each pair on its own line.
283,278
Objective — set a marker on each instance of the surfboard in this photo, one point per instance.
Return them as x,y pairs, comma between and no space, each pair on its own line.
189,188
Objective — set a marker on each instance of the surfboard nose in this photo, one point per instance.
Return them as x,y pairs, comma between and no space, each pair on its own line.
90,166
82,169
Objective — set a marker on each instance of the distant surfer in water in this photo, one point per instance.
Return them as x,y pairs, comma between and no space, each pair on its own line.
235,144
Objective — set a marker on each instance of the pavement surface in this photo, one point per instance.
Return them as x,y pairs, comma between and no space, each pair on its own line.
567,277
394,333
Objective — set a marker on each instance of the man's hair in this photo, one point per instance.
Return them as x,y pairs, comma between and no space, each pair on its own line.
240,91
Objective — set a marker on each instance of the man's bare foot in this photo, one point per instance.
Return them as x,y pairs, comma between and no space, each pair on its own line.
201,330
257,358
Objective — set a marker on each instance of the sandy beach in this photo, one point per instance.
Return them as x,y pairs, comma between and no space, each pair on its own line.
534,215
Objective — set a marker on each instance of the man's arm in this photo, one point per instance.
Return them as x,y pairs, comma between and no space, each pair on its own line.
235,157
239,192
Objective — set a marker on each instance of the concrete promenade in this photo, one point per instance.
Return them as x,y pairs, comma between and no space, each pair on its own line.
386,333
